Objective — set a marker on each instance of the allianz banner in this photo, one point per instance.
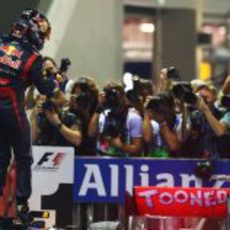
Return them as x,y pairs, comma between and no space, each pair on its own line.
108,179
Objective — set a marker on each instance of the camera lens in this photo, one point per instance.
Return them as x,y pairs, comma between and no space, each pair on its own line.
190,98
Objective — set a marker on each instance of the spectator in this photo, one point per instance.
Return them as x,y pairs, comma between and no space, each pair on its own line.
118,127
84,96
52,125
162,126
203,133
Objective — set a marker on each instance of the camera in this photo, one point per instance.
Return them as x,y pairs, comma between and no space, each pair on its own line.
111,98
225,101
173,73
82,99
204,170
65,63
136,87
48,105
183,91
134,93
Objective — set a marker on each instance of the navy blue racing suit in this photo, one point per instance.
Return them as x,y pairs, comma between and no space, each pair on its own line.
20,66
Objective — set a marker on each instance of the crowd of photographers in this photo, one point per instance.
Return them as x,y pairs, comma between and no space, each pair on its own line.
132,118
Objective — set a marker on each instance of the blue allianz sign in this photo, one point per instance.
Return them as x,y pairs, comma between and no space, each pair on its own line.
108,179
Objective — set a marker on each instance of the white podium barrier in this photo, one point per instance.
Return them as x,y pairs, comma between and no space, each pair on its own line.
52,167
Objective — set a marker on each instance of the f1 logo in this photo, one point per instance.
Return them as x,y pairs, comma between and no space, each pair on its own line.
45,158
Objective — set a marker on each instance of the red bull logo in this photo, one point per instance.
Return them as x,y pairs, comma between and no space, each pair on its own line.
12,51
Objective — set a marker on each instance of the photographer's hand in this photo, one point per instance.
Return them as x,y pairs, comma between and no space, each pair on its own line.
202,106
217,126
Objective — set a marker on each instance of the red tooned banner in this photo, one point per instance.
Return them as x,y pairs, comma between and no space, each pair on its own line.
176,201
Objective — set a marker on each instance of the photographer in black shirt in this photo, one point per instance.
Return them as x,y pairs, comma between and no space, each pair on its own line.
52,125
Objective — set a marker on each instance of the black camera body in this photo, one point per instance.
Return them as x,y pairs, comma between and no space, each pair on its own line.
183,91
173,73
48,105
225,101
111,98
82,100
65,64
139,86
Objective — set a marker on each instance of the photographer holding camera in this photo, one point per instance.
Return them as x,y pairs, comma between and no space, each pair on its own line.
52,125
118,127
208,124
162,126
83,102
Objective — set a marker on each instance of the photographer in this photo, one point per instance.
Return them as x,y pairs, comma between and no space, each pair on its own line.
83,102
161,126
117,126
139,90
207,124
52,125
